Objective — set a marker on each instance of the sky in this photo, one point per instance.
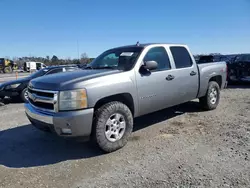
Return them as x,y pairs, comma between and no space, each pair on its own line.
61,27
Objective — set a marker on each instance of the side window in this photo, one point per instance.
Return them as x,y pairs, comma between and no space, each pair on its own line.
181,57
158,54
69,69
110,60
55,71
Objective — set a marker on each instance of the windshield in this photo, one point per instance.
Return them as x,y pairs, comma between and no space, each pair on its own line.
120,58
39,73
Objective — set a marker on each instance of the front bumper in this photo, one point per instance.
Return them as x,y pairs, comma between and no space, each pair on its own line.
4,93
79,122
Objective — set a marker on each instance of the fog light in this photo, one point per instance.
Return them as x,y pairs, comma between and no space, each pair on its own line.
66,131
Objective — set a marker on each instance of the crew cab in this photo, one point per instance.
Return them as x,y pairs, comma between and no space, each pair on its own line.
122,83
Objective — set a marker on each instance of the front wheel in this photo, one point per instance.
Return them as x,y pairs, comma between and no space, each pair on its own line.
211,100
113,124
24,95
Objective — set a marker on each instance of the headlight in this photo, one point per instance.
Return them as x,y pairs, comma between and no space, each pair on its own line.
13,86
73,99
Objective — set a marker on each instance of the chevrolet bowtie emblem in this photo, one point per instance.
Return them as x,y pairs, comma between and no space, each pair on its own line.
33,97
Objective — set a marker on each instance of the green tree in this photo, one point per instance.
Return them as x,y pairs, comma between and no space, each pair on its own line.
84,58
54,60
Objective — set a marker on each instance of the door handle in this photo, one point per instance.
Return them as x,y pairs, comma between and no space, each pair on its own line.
192,73
170,77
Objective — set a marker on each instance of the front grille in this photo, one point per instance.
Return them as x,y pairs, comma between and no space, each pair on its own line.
41,93
45,100
42,105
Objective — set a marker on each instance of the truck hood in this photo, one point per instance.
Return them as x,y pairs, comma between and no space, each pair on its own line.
68,80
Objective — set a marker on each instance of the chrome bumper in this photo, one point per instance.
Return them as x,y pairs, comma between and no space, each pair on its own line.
79,122
34,114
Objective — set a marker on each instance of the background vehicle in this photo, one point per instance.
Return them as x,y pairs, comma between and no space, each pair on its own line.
33,65
17,89
7,66
212,58
239,69
120,84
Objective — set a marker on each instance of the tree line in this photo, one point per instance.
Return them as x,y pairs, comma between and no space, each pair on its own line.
53,60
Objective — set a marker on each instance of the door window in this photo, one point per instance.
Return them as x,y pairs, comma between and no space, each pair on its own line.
158,54
69,69
181,57
55,71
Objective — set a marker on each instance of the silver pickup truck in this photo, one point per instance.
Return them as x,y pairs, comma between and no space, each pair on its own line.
122,83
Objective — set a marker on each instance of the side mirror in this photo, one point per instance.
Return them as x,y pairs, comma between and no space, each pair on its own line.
150,65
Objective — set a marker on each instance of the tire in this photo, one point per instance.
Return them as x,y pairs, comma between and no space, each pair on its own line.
23,95
210,102
7,69
108,131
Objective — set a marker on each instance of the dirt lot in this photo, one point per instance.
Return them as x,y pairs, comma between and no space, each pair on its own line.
181,146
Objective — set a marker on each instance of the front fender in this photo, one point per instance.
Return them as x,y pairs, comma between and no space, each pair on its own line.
99,88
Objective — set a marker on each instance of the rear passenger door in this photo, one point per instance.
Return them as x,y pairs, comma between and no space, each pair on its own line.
186,75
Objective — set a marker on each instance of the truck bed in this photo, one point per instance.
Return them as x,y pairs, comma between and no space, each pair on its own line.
208,70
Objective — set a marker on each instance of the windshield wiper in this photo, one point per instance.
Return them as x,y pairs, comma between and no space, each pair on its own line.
88,67
104,67
101,67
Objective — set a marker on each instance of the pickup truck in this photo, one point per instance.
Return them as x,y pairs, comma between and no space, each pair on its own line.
101,101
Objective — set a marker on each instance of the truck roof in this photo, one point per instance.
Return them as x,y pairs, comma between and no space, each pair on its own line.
57,66
143,45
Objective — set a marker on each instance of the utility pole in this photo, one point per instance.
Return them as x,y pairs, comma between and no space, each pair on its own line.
78,50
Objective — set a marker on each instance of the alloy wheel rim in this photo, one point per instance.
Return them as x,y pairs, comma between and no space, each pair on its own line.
213,96
26,96
115,127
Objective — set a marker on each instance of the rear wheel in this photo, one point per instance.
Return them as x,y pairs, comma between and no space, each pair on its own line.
211,100
113,124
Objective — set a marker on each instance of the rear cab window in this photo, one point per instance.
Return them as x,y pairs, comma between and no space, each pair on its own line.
181,57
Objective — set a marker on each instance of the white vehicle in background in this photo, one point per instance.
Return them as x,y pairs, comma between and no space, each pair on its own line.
33,66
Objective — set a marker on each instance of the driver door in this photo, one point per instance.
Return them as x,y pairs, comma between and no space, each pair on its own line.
154,91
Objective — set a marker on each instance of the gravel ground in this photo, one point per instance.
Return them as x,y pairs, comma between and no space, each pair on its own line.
178,147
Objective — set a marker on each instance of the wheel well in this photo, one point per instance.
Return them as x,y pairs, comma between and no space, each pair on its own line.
217,79
125,98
